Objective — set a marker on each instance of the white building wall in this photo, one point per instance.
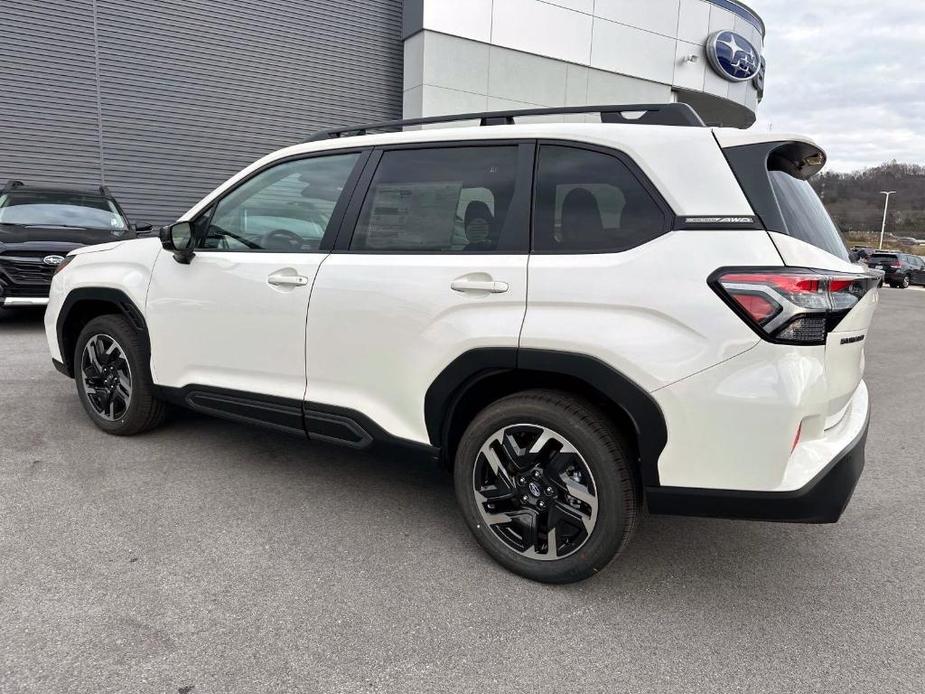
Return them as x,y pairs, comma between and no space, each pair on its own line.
494,54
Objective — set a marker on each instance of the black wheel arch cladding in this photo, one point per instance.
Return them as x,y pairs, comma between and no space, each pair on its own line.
475,366
82,305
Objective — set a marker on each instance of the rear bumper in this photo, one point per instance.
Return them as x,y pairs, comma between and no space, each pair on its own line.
822,500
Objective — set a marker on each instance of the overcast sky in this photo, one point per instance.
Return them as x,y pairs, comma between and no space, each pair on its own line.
850,73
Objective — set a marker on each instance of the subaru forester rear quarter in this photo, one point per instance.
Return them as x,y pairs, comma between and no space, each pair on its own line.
778,428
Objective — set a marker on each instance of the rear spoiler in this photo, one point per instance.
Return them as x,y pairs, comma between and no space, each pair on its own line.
751,163
797,155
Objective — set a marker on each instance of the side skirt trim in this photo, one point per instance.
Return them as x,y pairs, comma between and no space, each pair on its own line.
319,422
354,429
281,414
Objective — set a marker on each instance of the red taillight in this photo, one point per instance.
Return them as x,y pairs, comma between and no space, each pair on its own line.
791,305
896,264
760,308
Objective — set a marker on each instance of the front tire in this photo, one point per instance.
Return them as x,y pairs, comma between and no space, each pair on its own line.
544,482
113,377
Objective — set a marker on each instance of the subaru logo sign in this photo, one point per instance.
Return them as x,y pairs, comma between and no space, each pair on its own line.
53,259
733,56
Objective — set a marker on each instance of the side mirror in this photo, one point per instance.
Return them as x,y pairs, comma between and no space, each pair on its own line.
142,227
854,256
179,239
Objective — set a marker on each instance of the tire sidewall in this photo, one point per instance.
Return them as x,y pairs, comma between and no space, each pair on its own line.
613,523
119,330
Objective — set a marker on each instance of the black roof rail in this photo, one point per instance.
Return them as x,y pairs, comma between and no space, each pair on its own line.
104,191
678,114
11,184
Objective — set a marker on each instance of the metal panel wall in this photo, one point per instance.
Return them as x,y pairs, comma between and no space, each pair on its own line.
49,124
191,91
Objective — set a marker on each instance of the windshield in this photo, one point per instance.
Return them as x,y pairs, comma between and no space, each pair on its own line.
805,215
47,208
883,256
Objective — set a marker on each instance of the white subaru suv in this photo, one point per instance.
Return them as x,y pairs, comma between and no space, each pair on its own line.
579,318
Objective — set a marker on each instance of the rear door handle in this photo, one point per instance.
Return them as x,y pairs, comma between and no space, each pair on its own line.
490,286
280,280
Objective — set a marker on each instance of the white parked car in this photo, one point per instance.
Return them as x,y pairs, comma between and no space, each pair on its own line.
579,318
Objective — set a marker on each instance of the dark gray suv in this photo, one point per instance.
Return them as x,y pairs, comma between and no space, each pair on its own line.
901,269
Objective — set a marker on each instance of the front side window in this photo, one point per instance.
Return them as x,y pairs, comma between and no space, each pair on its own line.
450,199
60,209
285,209
588,202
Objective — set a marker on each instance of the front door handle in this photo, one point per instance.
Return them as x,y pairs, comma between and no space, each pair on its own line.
490,286
280,280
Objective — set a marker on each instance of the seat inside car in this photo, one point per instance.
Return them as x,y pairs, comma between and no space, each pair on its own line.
480,229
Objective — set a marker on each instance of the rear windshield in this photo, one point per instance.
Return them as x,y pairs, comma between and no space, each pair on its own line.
804,214
883,256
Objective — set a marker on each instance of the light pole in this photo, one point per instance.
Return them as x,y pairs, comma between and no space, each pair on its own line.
886,205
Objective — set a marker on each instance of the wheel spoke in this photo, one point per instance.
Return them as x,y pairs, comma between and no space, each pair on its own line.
552,542
578,491
545,437
100,351
494,462
559,463
528,526
563,512
90,351
498,494
497,518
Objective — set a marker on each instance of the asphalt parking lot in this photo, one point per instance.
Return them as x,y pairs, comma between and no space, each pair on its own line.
212,557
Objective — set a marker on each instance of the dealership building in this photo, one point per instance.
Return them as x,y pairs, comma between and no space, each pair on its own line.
162,101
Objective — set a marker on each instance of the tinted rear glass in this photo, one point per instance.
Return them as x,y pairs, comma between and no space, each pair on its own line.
804,214
883,256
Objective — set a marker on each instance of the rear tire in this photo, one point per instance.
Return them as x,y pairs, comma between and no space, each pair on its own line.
906,282
114,379
564,501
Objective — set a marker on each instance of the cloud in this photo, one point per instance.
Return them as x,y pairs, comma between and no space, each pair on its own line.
851,74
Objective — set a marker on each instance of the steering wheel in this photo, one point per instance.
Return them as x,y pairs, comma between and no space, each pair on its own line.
281,239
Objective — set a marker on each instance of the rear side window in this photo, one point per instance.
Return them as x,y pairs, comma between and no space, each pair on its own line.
448,199
805,215
590,202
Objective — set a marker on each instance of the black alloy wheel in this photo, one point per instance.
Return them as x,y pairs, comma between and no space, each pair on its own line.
107,377
545,483
111,368
535,491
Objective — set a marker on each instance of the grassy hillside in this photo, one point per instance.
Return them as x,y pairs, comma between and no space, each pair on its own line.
856,205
